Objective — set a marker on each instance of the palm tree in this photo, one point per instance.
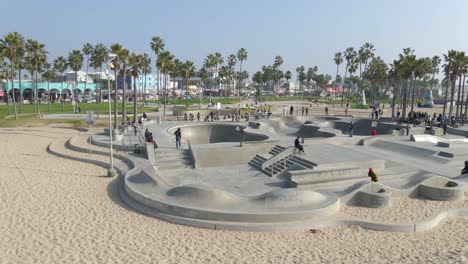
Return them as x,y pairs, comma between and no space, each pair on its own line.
36,58
338,59
12,48
61,65
75,61
242,55
450,76
99,56
166,64
145,70
435,62
188,71
117,50
276,64
408,64
135,64
123,57
48,75
157,45
301,76
461,60
350,55
20,66
394,78
423,67
217,61
87,50
209,64
352,69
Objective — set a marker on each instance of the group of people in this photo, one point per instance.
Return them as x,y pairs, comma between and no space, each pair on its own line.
376,113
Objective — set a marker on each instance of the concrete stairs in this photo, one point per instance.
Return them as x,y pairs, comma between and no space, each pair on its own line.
281,165
172,159
276,150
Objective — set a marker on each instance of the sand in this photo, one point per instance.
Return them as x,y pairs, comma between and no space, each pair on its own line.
54,210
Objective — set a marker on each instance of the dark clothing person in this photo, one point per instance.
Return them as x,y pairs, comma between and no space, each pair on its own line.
372,175
351,128
178,136
298,145
291,110
465,169
444,127
198,116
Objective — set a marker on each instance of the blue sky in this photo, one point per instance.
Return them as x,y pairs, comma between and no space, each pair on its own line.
303,32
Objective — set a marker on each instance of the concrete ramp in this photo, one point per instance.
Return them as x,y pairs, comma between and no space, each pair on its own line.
214,133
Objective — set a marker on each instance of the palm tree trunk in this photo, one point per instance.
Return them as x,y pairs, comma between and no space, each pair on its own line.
462,94
405,88
240,80
61,93
135,94
7,94
344,81
164,95
124,96
412,95
116,112
395,97
48,95
87,67
457,115
452,95
21,94
12,93
37,95
445,97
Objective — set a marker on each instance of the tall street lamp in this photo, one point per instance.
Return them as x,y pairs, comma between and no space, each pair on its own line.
111,170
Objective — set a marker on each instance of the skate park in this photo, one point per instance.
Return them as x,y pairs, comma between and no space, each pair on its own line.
248,175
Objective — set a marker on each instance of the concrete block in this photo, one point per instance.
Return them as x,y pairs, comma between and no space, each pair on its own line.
443,144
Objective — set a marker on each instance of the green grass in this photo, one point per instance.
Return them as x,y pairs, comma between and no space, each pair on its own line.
196,101
56,108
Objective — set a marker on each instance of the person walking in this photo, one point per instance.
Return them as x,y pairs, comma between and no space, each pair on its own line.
326,110
198,116
298,145
351,128
178,137
291,110
307,111
444,127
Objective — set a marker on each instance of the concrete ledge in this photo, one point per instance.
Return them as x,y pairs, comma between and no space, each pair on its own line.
445,154
443,144
441,189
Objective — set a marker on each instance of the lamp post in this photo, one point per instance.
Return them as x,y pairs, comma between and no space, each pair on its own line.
111,170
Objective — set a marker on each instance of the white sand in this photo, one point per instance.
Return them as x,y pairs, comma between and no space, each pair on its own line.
53,210
402,210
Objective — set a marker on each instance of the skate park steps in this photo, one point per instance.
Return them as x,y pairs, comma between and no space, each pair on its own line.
172,159
281,159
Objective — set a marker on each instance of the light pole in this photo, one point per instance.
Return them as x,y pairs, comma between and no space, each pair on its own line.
111,170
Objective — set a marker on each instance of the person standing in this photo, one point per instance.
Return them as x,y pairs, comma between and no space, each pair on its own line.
326,110
307,111
444,127
178,137
291,110
198,116
351,128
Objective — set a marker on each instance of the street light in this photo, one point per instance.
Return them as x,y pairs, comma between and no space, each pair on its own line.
111,170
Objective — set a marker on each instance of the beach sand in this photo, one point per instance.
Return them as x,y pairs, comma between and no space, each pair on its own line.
54,210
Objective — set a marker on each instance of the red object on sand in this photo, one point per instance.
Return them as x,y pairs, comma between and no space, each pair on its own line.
314,231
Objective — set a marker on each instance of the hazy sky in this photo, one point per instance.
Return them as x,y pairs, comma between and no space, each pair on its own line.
303,32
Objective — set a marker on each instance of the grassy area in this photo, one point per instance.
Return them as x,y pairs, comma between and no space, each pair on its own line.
56,108
196,101
31,121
